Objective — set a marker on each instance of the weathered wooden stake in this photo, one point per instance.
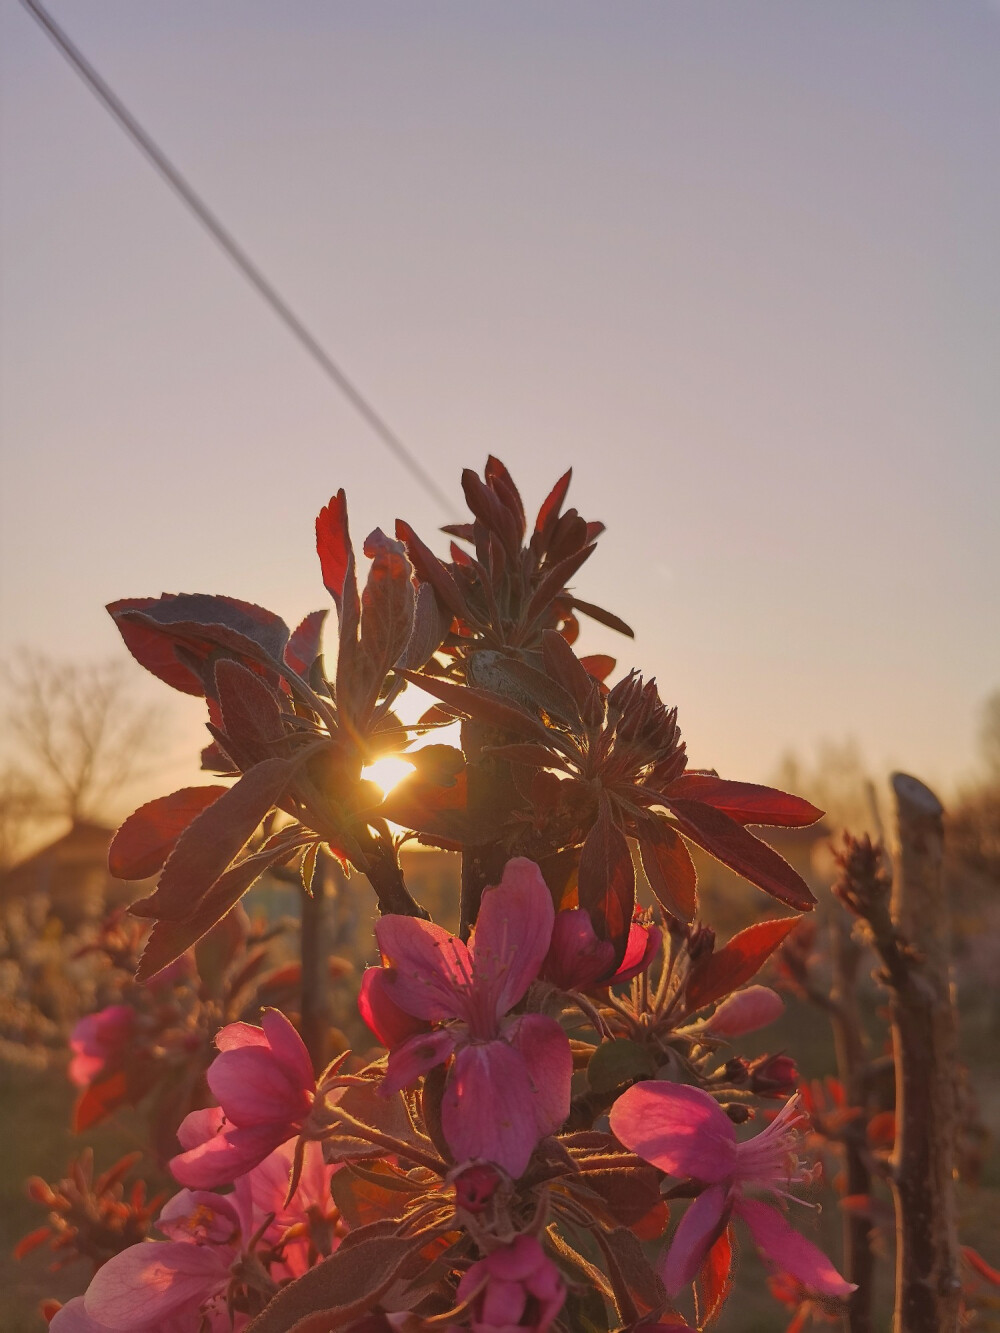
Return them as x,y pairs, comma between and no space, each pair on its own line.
918,962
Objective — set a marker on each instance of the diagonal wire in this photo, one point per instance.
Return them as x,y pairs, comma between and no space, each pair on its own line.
224,238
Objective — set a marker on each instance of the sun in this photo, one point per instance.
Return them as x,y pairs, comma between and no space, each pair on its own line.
385,773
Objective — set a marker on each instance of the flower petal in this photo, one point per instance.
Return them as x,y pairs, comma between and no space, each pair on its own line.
390,1024
73,1318
789,1251
681,1130
696,1233
198,1127
544,1048
488,1108
513,933
254,1088
228,1154
576,958
234,1036
428,970
146,1284
288,1047
414,1057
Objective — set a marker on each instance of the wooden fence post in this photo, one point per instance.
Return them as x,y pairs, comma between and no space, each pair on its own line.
928,1285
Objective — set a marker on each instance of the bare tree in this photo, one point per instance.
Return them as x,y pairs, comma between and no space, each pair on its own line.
80,733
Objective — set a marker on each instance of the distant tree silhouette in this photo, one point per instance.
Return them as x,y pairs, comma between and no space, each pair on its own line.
79,735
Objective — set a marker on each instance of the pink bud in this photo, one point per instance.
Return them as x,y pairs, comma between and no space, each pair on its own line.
475,1186
746,1011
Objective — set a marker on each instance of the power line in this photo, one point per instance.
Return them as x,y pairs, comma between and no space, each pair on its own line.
224,238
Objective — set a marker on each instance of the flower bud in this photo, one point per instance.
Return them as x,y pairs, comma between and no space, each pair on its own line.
475,1186
746,1011
774,1076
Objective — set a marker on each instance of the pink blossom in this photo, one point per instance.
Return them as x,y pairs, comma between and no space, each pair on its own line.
265,1085
99,1041
509,1084
684,1131
578,960
173,1285
169,1286
515,1288
748,1010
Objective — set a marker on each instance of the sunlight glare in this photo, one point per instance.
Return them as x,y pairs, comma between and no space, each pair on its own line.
385,773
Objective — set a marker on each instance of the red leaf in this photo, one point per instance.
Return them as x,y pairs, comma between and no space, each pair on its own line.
730,843
603,617
213,840
146,839
746,802
502,482
714,1279
169,939
153,649
250,711
99,1100
386,618
552,504
430,570
304,645
333,546
668,867
606,881
722,972
555,582
491,511
564,666
598,665
430,626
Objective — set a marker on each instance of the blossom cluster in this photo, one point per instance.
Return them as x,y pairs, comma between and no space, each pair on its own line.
465,1122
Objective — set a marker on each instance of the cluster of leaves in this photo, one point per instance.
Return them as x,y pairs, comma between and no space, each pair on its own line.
553,765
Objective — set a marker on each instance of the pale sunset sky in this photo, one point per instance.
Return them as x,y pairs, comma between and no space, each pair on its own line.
738,264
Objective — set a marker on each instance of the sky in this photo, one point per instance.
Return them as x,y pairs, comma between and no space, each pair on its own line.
738,265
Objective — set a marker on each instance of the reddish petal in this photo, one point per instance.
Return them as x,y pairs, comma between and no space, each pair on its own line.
390,1024
428,969
73,1318
288,1047
254,1089
679,1129
544,1048
414,1057
695,1235
200,1126
577,958
513,933
234,1036
789,1251
152,1281
643,946
488,1109
219,1160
